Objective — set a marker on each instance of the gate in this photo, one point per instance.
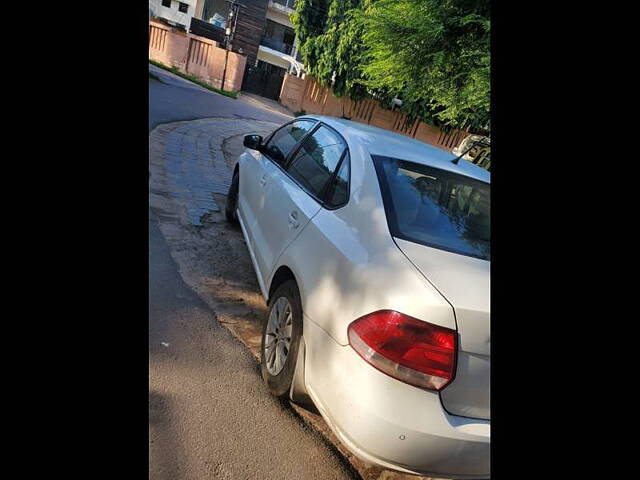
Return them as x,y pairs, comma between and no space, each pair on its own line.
264,80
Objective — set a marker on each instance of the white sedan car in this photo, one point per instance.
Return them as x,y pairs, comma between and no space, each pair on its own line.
373,252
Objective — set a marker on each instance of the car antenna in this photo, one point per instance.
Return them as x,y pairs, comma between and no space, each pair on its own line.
475,144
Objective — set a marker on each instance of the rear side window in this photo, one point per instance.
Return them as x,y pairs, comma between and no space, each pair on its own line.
283,140
338,191
317,159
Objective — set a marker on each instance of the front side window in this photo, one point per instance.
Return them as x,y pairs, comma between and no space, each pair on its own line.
436,208
317,159
283,140
183,7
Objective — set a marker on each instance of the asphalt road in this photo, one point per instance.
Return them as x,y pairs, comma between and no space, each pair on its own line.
209,414
174,99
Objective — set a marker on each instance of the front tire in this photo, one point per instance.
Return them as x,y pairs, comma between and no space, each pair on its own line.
231,206
281,339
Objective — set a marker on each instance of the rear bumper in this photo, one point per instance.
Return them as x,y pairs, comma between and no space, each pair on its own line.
387,422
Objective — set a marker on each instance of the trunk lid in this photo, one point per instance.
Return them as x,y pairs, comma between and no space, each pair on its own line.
465,282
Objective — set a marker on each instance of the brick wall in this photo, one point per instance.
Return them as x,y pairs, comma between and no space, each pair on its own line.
306,94
195,55
291,92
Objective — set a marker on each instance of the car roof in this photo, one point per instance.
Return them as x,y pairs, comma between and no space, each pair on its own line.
378,141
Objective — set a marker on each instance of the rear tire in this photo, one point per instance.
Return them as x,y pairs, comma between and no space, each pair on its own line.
277,372
232,199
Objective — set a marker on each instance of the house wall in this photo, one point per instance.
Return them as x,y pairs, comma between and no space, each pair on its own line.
195,55
172,13
251,21
279,17
250,27
252,17
277,13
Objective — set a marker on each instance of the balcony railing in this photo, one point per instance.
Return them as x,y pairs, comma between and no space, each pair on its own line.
276,45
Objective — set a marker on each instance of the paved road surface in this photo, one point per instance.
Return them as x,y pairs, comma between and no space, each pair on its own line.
175,99
209,415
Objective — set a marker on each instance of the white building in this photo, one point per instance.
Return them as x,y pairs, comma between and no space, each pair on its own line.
279,46
263,32
178,13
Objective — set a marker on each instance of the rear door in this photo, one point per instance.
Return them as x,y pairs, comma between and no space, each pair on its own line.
296,192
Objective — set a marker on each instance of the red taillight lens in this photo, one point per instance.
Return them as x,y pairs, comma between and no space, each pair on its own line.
406,348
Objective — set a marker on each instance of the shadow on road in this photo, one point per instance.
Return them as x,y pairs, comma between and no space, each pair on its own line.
164,451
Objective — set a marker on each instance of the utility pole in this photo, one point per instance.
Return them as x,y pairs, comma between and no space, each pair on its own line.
230,31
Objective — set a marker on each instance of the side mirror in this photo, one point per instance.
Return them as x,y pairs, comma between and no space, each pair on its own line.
253,142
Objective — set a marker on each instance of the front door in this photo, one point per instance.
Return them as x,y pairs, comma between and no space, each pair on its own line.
274,152
295,193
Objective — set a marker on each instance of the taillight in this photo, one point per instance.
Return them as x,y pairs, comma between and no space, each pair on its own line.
405,348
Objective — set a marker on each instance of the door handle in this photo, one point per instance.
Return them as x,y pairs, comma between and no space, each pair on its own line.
293,219
263,180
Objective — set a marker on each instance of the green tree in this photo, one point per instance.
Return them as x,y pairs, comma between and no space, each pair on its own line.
309,19
433,54
330,36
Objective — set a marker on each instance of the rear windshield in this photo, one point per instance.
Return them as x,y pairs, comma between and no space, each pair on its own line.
436,208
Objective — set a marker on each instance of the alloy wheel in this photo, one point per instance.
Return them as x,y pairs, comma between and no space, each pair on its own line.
278,336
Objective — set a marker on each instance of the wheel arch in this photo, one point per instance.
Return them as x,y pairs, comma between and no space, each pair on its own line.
282,274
